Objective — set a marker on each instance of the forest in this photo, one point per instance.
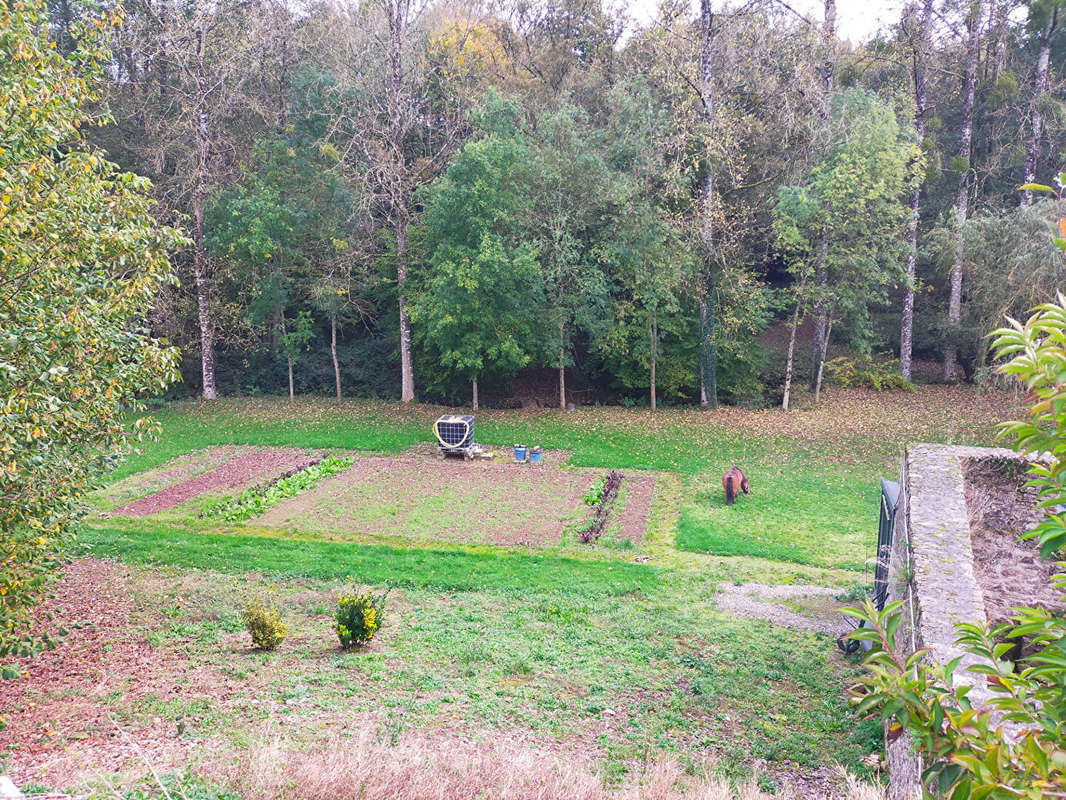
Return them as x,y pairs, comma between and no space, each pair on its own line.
417,200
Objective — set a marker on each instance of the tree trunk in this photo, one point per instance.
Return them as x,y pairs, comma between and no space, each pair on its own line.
921,57
821,273
288,355
708,356
821,363
562,366
1035,112
821,278
475,392
199,200
973,42
333,353
407,372
789,358
396,12
653,336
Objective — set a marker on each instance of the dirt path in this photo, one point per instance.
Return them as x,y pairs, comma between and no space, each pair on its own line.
264,463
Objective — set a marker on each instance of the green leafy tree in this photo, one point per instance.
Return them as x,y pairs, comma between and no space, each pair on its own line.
649,259
479,301
573,195
847,218
647,254
281,231
81,260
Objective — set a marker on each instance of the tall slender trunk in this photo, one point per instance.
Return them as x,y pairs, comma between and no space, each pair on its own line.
709,361
1035,112
973,42
821,364
708,354
921,58
407,373
199,200
333,353
562,365
822,323
821,272
283,84
789,358
474,392
288,355
653,341
396,12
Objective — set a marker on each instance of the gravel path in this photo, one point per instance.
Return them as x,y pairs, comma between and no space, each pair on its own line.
756,601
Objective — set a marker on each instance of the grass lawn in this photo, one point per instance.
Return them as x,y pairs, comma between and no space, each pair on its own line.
611,657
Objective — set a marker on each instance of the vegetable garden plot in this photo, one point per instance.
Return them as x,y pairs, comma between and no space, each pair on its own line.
263,465
175,471
429,500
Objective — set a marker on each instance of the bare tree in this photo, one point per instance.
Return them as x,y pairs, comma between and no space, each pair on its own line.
708,356
187,106
920,52
821,319
395,133
974,20
1036,112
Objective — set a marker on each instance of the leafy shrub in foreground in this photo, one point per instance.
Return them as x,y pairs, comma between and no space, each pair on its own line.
968,752
264,624
359,616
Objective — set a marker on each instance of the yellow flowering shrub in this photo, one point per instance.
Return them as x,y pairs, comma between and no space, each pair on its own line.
264,624
359,617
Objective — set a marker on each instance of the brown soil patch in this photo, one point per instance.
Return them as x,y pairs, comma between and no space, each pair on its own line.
59,712
478,502
1009,570
633,520
174,471
265,463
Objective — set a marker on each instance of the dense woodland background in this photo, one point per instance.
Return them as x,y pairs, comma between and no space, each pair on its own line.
426,200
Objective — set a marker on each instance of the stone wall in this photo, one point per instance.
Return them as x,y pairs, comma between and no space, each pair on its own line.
931,571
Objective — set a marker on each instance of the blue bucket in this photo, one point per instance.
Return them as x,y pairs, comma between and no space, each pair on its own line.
520,453
534,455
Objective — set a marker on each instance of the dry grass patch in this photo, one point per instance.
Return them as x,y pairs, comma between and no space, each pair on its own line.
361,768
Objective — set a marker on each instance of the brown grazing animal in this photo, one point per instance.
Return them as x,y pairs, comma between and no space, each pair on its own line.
732,480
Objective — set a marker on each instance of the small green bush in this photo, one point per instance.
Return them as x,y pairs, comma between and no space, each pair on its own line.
264,624
359,617
879,375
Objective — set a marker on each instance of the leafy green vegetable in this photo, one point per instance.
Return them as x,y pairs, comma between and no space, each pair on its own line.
255,501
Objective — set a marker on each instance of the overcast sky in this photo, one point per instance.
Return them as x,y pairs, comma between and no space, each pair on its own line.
857,20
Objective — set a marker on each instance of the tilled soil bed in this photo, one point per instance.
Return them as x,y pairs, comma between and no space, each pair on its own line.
477,502
170,474
633,518
263,465
1009,569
